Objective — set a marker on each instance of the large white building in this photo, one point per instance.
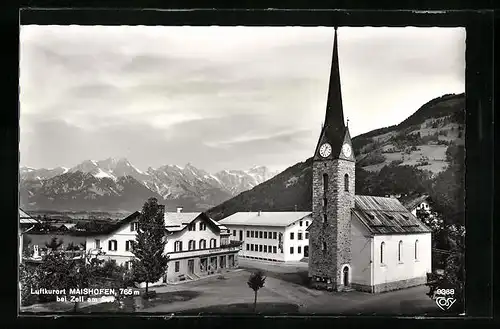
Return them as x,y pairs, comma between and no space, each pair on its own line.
271,236
197,246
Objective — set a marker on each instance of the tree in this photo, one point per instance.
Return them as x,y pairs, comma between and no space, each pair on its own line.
150,262
54,245
255,282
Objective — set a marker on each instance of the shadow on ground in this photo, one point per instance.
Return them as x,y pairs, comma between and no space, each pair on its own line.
300,276
246,308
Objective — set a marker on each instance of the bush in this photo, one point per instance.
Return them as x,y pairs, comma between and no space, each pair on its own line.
28,279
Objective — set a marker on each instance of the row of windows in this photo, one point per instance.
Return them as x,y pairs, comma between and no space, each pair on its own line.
299,235
202,244
400,251
261,234
262,248
113,245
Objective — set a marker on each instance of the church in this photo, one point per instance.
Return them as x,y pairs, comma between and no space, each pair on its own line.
358,242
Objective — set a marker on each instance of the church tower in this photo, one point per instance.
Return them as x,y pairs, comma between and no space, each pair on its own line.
333,194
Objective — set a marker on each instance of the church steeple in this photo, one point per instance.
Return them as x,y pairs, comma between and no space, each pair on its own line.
334,110
334,129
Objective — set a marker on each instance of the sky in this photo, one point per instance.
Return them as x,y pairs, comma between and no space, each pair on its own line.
218,97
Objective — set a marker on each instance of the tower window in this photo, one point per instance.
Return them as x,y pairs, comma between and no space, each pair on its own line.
325,184
346,182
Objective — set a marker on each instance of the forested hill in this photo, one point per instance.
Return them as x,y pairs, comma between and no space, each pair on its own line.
422,154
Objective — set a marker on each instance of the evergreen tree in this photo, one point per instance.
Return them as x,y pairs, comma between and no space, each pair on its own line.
150,262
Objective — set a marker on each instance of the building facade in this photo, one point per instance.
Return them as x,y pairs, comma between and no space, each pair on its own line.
358,242
196,245
270,236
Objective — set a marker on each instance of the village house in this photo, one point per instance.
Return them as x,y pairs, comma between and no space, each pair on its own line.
196,245
417,203
270,236
26,224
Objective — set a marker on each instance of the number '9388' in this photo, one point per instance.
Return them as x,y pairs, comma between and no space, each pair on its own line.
445,292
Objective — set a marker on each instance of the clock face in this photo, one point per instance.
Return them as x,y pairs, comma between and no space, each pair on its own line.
325,150
346,149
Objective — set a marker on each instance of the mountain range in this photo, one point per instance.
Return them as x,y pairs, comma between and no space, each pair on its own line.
422,154
116,184
419,155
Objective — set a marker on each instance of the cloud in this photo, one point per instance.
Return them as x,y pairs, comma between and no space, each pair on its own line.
219,97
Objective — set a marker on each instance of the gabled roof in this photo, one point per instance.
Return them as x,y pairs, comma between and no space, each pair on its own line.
386,216
278,218
411,202
24,218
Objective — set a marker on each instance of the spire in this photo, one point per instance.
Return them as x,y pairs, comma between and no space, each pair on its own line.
334,111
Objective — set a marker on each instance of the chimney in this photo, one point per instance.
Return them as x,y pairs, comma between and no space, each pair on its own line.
258,213
179,209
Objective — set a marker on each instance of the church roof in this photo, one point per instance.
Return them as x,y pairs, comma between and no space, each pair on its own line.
274,218
386,216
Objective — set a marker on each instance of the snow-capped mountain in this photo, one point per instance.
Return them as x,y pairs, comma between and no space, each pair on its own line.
102,181
40,174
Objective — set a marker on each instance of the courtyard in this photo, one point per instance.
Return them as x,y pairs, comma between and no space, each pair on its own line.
284,292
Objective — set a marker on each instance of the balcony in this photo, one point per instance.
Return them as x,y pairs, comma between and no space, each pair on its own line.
231,247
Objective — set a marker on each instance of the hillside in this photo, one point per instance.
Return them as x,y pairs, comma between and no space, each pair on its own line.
422,154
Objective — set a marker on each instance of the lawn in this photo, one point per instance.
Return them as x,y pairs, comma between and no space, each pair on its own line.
245,308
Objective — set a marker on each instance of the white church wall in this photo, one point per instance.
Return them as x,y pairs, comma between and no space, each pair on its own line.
390,268
361,249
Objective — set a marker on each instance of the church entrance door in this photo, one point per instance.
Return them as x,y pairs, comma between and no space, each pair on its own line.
346,276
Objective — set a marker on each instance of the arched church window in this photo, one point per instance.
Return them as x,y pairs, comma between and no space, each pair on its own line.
400,250
346,182
416,250
325,184
382,247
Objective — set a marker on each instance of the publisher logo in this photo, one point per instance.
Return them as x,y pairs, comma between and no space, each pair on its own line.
445,298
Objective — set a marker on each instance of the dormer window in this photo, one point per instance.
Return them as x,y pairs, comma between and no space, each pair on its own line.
134,226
